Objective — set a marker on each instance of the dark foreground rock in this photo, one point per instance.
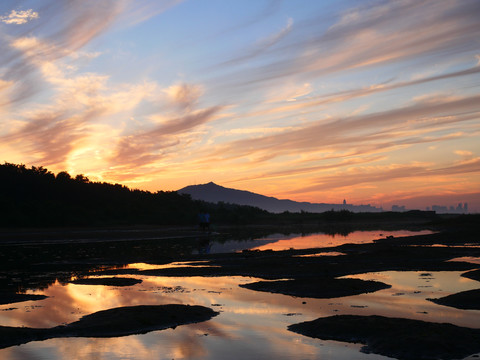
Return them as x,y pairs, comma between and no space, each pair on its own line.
9,298
110,281
474,275
467,300
112,323
394,337
320,288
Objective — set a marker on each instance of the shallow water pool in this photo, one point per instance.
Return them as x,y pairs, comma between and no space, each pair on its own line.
279,242
250,324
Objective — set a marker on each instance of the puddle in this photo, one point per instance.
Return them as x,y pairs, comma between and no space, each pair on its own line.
251,324
410,289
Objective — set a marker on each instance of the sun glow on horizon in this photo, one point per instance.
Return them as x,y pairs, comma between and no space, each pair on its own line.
377,103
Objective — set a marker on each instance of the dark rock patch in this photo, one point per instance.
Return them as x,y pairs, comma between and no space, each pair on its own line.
9,298
111,281
112,323
320,288
474,275
467,300
426,275
393,337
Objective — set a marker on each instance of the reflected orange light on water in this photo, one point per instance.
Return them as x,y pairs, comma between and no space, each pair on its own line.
409,293
326,240
332,253
250,323
145,266
245,314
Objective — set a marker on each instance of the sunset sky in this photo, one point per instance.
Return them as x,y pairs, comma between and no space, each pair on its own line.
373,101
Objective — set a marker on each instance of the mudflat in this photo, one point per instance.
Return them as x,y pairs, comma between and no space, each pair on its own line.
320,288
474,275
112,323
287,272
398,338
468,300
10,298
110,281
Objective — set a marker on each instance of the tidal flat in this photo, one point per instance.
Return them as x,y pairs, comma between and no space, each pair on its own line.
256,295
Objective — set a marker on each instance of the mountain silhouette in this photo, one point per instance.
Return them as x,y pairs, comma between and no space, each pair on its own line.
214,193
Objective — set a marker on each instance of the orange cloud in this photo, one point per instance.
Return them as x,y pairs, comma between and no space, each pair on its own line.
344,132
384,174
309,99
148,146
19,17
376,35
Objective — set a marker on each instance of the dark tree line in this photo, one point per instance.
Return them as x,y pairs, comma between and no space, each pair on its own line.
36,197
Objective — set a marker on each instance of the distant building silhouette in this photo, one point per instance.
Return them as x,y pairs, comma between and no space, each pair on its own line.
439,209
398,208
459,209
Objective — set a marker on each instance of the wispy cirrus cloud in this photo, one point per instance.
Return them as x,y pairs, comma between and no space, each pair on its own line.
310,101
376,175
21,52
275,95
356,130
262,45
294,169
377,34
142,148
63,28
82,100
51,132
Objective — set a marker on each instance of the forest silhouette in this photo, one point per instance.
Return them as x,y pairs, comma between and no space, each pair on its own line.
36,197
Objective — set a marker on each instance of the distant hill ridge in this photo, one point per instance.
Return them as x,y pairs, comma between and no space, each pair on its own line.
214,193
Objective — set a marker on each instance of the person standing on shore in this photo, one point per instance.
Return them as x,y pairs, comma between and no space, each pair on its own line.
204,221
207,221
